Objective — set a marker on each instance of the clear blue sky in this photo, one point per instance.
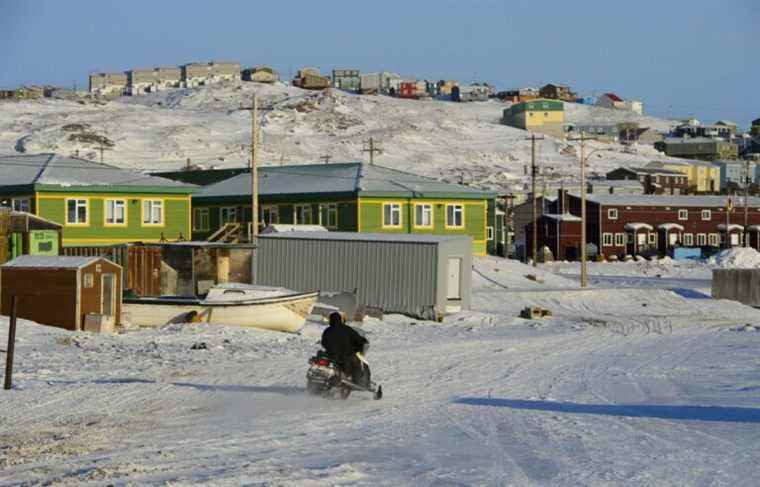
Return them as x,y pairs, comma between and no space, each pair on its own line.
681,57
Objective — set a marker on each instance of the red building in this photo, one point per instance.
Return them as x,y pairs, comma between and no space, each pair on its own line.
648,224
408,89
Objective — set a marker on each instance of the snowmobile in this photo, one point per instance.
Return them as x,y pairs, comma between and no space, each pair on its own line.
327,378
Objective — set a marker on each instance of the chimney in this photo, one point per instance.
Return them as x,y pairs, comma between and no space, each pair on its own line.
562,201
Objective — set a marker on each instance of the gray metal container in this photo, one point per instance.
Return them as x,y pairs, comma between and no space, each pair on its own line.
423,276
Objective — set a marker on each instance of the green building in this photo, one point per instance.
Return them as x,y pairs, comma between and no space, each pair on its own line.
97,204
541,115
702,148
354,197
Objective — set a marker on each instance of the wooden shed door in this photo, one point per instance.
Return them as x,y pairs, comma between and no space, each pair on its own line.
108,295
452,285
144,273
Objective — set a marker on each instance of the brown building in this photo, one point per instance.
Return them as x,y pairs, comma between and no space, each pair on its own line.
654,180
557,92
559,232
61,291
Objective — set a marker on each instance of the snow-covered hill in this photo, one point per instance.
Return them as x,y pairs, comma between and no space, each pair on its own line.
211,126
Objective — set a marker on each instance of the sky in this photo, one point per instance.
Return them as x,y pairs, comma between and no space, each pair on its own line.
680,57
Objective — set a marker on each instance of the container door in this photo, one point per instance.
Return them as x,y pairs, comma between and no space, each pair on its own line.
108,295
455,269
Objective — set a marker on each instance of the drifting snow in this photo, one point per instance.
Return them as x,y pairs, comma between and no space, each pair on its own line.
740,257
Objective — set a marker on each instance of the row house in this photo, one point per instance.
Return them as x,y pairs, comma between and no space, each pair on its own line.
200,74
623,225
384,82
346,79
519,95
151,80
703,177
723,129
702,148
108,84
653,180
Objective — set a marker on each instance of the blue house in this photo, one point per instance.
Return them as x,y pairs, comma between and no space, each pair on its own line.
586,100
733,173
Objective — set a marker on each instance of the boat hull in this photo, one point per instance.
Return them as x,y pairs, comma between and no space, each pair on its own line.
282,314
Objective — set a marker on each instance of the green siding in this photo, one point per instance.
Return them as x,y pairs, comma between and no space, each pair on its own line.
176,218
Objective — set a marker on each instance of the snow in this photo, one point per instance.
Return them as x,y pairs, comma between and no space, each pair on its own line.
211,126
634,386
741,257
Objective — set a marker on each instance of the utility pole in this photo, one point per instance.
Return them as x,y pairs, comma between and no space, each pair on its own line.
370,147
534,242
187,164
254,167
102,148
584,264
326,158
746,205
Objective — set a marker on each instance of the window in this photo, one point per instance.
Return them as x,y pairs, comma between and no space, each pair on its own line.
713,239
76,212
270,214
423,215
701,239
489,233
706,215
89,280
683,214
688,239
607,239
116,212
328,215
391,215
620,239
227,215
612,214
201,220
21,204
302,214
652,238
153,212
455,216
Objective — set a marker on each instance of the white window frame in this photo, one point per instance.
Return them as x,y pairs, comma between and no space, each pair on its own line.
21,204
394,209
79,203
152,205
620,239
456,208
701,240
273,211
611,212
299,211
227,214
421,210
201,220
331,210
110,206
688,239
713,240
683,215
706,215
607,239
489,233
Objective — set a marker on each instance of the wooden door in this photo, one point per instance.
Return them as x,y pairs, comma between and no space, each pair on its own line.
144,271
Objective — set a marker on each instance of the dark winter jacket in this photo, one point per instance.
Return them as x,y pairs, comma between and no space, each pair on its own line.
341,341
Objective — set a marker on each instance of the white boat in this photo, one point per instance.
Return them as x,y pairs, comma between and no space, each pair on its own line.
269,308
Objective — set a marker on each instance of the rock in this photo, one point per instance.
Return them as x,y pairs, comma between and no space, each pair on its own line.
199,346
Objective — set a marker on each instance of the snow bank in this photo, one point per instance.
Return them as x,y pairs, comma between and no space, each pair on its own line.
737,257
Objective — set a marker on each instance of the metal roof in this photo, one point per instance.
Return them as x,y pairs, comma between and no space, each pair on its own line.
345,178
669,200
57,170
367,237
51,262
617,183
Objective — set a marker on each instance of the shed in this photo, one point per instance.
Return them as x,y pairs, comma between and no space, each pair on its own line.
424,276
61,291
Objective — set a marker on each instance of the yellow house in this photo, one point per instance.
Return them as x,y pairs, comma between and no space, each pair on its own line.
704,177
541,115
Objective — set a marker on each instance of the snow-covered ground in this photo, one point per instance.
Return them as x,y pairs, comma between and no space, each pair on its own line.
619,387
211,126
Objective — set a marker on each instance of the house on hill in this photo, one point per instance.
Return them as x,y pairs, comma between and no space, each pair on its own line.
97,204
557,92
611,101
352,197
542,116
260,74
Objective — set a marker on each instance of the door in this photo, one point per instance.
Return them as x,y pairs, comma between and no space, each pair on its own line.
452,286
641,240
108,295
734,239
672,239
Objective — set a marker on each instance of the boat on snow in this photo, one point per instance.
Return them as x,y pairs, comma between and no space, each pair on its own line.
264,307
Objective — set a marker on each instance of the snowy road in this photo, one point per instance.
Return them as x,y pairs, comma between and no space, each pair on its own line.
637,387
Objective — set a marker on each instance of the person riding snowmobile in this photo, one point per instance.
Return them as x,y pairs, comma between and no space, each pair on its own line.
342,343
